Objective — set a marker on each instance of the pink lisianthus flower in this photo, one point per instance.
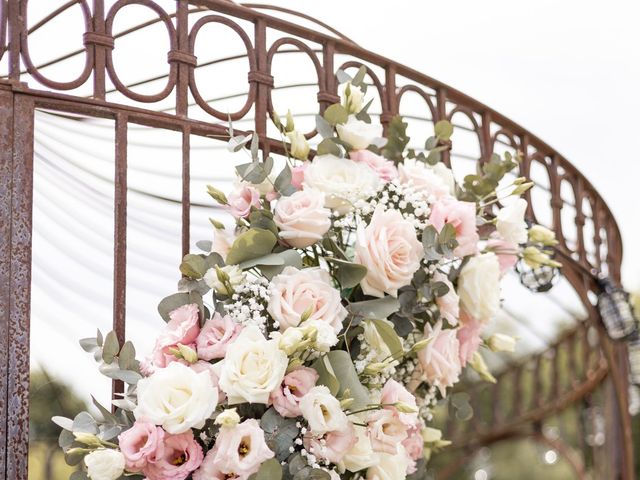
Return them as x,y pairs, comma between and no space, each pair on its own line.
179,456
242,199
506,251
215,335
414,446
295,385
385,169
297,175
394,392
332,446
440,359
469,337
462,215
449,303
141,444
386,431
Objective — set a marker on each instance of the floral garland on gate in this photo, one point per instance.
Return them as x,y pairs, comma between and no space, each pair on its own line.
314,340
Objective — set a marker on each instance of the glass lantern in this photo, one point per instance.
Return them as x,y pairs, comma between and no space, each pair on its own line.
541,279
633,347
616,312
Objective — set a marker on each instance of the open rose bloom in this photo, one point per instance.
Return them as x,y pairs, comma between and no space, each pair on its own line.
351,297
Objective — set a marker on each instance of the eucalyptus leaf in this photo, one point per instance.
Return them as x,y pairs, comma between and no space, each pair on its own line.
269,470
326,375
170,303
107,416
63,422
283,182
291,258
127,357
389,336
236,143
328,146
280,433
84,423
379,308
443,129
323,127
342,76
345,372
336,114
204,245
255,145
111,347
254,243
359,76
193,266
74,456
349,274
89,345
65,439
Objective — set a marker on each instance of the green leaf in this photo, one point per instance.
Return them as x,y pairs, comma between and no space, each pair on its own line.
107,416
323,127
63,422
255,145
74,456
236,143
255,172
291,258
263,219
127,357
84,423
217,195
280,432
397,140
89,345
336,114
342,76
111,347
345,372
326,375
359,77
389,336
329,146
283,182
379,308
204,245
348,274
65,439
170,303
193,266
254,243
269,470
443,129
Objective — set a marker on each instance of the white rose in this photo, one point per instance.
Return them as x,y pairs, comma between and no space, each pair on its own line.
177,398
104,464
299,147
325,334
322,411
359,134
434,180
390,466
361,455
252,368
341,180
390,250
479,286
375,341
307,292
302,218
232,274
510,222
352,98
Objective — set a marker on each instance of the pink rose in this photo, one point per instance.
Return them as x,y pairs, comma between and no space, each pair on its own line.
414,446
436,181
202,366
388,247
462,215
440,359
179,456
242,199
238,452
385,169
183,328
386,431
394,392
449,302
332,446
295,292
506,251
468,337
141,444
302,218
297,175
295,385
215,335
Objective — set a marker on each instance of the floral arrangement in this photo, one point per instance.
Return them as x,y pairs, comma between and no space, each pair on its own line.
314,340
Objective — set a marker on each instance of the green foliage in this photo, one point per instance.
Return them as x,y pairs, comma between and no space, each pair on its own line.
337,365
484,183
397,140
439,244
279,433
389,336
336,114
348,274
254,243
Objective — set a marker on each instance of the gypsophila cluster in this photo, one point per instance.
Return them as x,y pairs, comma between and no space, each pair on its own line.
249,302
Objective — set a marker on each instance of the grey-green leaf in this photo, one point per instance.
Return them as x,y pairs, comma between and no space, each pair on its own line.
336,114
269,470
349,274
111,347
254,243
379,308
388,335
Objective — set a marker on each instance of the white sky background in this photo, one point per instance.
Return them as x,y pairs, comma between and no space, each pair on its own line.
567,71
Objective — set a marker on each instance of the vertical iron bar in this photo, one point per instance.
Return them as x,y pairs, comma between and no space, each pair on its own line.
186,189
100,65
20,289
15,27
120,235
262,90
182,86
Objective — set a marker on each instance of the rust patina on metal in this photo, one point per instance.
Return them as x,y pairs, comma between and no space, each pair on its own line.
24,87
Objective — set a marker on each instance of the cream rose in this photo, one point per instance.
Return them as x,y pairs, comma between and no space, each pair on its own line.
104,464
479,286
341,180
361,455
177,398
302,218
434,180
308,292
252,368
510,222
322,411
359,134
390,466
388,247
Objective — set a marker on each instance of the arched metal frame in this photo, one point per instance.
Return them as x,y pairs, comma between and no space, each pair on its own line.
583,260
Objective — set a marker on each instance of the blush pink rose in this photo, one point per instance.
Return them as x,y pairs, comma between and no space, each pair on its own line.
436,181
414,446
440,359
385,169
332,446
215,335
449,303
394,392
302,218
182,328
238,452
242,199
388,247
295,385
295,292
386,431
180,455
468,337
462,215
140,444
297,175
507,252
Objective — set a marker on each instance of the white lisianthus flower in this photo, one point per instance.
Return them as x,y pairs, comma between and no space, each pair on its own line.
221,279
324,334
390,466
253,367
361,455
177,398
289,341
228,418
301,218
434,180
510,222
299,147
104,464
341,180
359,134
499,342
323,411
352,98
375,341
479,286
